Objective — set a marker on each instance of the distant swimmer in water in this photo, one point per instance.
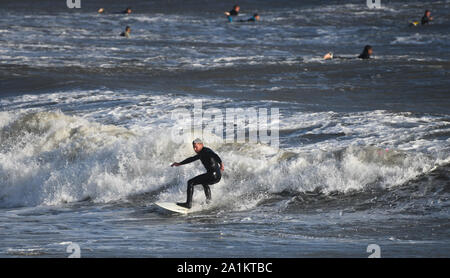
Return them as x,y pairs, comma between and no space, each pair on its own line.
233,12
254,18
101,10
127,32
127,11
367,52
214,166
426,17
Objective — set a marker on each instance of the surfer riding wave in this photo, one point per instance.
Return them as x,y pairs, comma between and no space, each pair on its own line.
214,166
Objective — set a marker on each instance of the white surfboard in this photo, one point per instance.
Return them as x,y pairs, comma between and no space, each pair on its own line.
173,207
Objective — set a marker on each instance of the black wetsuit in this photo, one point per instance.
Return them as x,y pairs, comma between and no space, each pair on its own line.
233,12
211,161
425,20
251,19
361,56
364,55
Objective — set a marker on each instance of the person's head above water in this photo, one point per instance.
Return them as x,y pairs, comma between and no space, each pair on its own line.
127,10
127,32
197,144
328,56
366,52
426,17
256,16
234,11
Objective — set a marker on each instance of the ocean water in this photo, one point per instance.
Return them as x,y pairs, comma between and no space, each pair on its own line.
86,119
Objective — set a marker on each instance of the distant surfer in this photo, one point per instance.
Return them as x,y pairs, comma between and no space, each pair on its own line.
127,32
233,12
214,166
426,17
367,52
127,10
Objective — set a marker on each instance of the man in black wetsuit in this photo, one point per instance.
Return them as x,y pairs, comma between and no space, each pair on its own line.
234,11
127,32
367,51
426,17
127,11
214,166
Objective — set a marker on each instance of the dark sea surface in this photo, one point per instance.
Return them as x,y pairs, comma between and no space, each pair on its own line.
86,121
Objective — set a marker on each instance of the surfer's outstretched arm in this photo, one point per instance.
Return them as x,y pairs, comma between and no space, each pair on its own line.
186,161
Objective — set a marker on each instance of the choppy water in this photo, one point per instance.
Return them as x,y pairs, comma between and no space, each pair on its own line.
84,119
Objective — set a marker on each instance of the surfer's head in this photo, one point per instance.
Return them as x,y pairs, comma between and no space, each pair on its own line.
367,51
427,13
236,8
128,10
197,144
256,17
328,56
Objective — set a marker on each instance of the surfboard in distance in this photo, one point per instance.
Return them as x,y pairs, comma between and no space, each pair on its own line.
172,207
